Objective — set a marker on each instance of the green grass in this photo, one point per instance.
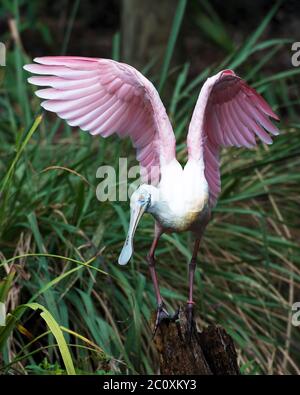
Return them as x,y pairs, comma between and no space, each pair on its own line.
63,244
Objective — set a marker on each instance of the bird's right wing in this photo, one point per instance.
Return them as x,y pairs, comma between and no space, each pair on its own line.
103,97
228,113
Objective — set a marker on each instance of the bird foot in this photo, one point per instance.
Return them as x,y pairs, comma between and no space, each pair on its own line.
163,316
191,325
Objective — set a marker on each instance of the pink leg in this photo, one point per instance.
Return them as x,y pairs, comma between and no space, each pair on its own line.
190,302
161,311
151,262
192,267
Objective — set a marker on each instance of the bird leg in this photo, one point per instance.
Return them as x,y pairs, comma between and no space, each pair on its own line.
190,302
162,313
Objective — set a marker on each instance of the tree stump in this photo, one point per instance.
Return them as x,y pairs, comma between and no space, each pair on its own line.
210,352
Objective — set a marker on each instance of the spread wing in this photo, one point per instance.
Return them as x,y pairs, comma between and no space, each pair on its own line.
104,97
228,113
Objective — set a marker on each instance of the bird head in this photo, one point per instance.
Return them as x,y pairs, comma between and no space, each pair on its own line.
140,202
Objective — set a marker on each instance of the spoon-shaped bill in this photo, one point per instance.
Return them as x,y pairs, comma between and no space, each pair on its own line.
137,210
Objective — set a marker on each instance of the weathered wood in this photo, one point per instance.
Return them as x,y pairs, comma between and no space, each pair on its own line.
210,352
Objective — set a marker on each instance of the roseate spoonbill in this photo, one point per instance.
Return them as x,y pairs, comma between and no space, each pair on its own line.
104,97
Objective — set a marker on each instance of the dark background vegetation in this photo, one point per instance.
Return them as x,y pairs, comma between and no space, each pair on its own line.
60,245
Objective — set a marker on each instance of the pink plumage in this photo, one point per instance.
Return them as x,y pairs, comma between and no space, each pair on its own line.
228,113
104,97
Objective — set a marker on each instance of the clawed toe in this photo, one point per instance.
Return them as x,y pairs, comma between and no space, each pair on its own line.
175,316
162,315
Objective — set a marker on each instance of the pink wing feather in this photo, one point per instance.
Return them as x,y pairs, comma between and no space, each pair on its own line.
104,97
228,113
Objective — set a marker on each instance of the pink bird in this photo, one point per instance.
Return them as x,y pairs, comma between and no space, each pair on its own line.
104,97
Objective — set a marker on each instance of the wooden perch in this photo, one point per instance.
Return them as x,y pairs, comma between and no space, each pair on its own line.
210,352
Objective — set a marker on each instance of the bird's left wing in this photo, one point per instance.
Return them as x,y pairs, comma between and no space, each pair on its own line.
228,113
103,97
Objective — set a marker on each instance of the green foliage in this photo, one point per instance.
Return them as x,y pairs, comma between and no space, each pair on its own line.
52,324
63,244
5,286
45,367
